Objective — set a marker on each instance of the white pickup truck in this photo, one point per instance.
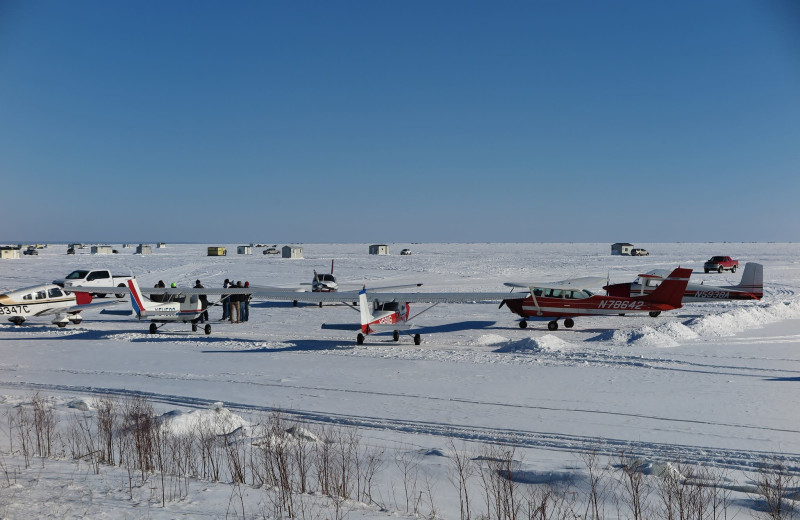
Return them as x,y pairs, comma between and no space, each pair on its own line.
96,277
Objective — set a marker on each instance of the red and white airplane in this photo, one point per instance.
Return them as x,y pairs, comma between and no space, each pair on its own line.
565,300
47,300
750,288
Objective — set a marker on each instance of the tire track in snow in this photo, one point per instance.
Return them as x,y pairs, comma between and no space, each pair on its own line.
742,460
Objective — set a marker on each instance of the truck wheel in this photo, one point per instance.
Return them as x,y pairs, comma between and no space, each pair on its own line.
733,269
719,269
120,295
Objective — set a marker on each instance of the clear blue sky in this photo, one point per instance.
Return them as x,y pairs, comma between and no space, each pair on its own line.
207,121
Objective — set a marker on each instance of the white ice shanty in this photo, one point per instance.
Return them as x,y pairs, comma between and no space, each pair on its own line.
7,253
292,252
244,250
102,250
621,248
144,249
379,249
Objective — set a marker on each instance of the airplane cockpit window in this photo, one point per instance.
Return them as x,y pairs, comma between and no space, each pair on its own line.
388,306
27,297
537,292
553,293
578,295
41,295
653,283
55,292
326,278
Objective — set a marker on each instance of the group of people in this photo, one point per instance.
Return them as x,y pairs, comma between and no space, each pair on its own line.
238,304
235,307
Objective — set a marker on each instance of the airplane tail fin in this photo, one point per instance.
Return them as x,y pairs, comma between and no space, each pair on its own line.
366,315
752,279
671,290
138,301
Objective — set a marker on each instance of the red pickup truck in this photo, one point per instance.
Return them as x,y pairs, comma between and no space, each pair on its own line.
721,263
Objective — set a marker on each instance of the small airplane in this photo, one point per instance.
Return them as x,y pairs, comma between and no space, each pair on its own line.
47,300
177,306
751,286
324,282
565,300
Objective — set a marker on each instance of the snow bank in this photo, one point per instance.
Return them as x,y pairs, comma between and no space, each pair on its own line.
743,318
216,420
546,343
490,339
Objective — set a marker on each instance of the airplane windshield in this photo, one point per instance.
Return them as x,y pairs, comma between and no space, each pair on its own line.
77,275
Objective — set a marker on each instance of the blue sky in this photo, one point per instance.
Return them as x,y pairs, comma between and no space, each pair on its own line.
585,121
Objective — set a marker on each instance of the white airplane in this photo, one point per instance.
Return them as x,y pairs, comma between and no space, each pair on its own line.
47,300
324,282
177,306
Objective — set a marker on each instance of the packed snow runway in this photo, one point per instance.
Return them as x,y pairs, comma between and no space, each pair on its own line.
715,384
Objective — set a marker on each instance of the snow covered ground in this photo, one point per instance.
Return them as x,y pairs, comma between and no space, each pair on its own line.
714,385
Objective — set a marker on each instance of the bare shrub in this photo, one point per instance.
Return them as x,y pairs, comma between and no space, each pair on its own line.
635,489
462,472
774,483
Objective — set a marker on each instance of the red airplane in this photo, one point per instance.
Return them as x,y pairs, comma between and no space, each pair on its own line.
565,300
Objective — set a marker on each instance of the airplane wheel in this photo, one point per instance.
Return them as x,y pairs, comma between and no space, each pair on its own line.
320,305
360,339
733,269
552,325
153,328
120,295
523,324
719,269
207,328
103,295
654,314
194,327
76,322
568,323
396,335
17,321
417,339
61,325
294,303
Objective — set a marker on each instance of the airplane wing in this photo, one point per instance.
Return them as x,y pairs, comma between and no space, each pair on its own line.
78,308
573,283
283,294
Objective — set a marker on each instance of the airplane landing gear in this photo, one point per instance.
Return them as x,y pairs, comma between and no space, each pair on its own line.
417,339
654,314
294,303
396,335
360,339
17,320
153,328
568,323
523,324
194,326
207,328
552,325
320,305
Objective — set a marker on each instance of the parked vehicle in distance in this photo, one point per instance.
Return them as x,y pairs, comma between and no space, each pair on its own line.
721,263
405,252
638,251
31,251
97,277
271,251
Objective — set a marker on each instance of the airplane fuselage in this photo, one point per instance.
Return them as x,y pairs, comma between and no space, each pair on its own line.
693,292
596,305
